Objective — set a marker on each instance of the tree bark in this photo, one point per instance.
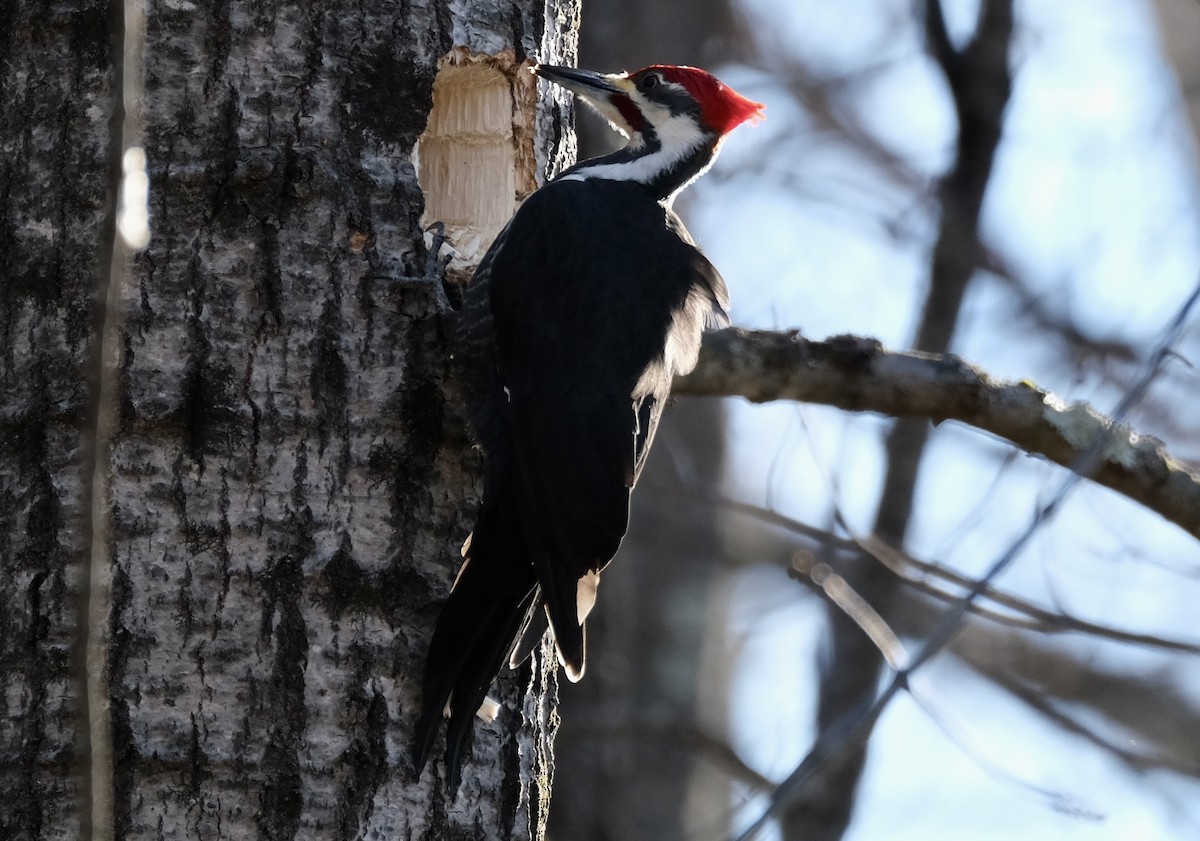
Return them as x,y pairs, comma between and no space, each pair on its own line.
290,476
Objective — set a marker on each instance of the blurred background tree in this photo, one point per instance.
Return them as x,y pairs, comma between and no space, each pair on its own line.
1013,182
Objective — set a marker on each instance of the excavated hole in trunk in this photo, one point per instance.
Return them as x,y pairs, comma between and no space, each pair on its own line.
465,159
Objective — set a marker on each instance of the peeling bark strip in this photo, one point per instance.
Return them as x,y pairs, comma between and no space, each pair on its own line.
859,375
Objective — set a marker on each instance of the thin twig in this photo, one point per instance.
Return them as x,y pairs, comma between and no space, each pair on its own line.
873,625
1039,619
1138,762
896,561
839,591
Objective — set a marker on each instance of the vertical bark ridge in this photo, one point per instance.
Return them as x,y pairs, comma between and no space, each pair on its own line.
58,83
281,426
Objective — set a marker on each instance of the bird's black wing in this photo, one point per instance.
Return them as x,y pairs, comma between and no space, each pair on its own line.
706,306
594,312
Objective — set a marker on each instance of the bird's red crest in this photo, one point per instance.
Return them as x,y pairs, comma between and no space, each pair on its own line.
723,108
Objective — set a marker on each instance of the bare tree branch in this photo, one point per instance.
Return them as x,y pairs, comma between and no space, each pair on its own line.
858,374
1046,677
838,591
1134,752
1068,336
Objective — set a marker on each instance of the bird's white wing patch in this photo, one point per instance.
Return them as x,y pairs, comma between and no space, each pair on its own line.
489,709
585,595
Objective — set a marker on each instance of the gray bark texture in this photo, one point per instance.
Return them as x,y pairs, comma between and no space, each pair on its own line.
859,375
289,476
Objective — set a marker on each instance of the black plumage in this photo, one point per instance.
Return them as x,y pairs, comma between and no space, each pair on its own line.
570,333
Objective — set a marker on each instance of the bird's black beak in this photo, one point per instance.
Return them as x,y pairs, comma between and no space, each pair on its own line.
582,82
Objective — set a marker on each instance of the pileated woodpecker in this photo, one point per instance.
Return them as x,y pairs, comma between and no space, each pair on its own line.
582,311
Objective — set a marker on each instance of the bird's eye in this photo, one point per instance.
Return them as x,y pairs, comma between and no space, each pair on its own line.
651,80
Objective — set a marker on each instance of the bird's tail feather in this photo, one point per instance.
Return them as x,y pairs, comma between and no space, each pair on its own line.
536,623
474,632
559,591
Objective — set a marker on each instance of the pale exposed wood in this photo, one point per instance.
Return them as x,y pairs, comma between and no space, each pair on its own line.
471,157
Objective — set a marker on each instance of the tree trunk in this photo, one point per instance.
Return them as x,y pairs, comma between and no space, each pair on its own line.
289,476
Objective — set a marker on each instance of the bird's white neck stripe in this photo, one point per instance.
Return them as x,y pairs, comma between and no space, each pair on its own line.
643,169
679,137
